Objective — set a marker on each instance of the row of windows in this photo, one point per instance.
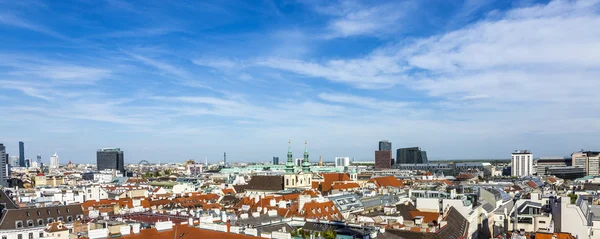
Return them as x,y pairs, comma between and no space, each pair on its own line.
20,236
40,222
49,212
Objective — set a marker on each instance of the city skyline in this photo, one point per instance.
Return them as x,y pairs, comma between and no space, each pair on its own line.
178,81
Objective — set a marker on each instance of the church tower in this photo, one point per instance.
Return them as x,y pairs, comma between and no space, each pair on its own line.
289,166
305,163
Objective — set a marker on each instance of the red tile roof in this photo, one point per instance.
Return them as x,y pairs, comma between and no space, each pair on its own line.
345,185
320,210
184,232
387,181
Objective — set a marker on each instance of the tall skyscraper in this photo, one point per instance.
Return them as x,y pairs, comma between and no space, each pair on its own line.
342,161
385,145
110,158
275,160
13,161
522,163
54,161
21,154
383,159
3,166
412,155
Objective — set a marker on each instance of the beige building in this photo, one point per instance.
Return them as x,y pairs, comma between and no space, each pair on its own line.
589,160
56,230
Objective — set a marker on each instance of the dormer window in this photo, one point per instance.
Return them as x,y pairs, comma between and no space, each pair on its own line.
38,213
50,220
28,214
58,211
19,224
40,222
30,223
68,210
49,212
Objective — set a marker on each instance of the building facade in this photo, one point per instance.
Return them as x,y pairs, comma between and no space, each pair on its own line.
21,154
522,163
385,145
54,163
412,155
275,160
383,159
589,160
342,161
544,163
110,158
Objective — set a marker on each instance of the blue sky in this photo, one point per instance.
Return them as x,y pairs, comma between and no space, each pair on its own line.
173,80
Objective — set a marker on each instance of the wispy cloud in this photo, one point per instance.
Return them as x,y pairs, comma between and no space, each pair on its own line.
15,21
367,102
354,18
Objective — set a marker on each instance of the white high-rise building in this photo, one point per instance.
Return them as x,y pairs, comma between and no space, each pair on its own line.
342,161
54,163
522,163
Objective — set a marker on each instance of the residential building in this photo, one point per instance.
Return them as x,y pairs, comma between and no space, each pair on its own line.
21,223
385,145
21,154
383,159
342,161
54,163
412,155
522,163
4,176
110,158
590,160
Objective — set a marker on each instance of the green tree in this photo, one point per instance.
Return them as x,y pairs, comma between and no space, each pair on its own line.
329,234
573,198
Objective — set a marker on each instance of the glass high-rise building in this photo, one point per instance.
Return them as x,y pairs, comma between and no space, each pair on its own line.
275,160
385,145
3,166
412,155
21,154
110,158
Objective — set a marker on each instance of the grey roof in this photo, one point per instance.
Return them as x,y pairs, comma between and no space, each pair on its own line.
346,202
382,200
488,207
318,227
526,204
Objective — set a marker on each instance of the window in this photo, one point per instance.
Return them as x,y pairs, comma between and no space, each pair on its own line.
69,219
40,222
3,237
41,234
543,222
19,224
28,214
30,223
60,219
38,213
20,236
49,212
50,220
31,235
68,210
58,211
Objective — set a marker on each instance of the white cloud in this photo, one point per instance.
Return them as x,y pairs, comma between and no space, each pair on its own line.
353,18
367,102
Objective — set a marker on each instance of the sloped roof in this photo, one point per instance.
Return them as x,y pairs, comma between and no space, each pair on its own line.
387,181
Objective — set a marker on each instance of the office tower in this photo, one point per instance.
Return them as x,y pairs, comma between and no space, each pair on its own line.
13,161
590,160
385,145
54,161
21,154
27,163
383,159
3,166
275,160
110,158
522,163
412,155
225,159
342,161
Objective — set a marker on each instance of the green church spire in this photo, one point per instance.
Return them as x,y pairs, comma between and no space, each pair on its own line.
289,166
305,163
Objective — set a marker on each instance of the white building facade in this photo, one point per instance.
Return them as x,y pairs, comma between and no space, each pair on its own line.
342,161
522,163
54,163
